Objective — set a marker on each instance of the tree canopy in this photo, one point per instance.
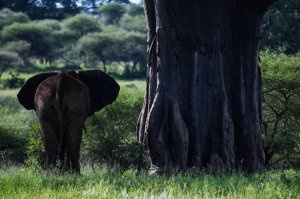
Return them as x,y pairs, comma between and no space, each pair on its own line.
282,26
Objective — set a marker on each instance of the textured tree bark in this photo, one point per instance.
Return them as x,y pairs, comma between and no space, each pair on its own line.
202,106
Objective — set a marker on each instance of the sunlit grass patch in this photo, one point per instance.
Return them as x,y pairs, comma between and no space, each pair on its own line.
104,183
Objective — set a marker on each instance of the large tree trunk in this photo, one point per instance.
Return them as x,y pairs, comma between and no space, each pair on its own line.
202,106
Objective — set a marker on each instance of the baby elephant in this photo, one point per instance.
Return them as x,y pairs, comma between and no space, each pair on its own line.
62,102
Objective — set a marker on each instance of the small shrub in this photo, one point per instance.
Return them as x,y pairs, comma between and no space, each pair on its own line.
34,148
110,138
12,146
14,81
8,60
130,154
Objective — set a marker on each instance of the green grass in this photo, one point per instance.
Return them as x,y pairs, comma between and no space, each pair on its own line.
102,183
9,93
13,115
6,75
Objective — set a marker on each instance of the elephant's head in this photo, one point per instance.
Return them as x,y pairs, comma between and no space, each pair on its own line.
103,89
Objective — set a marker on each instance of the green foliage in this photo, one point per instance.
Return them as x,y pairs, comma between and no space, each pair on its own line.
281,107
50,23
13,55
8,105
133,52
134,23
82,24
282,26
77,42
111,12
38,36
34,148
116,45
136,10
97,47
8,17
13,82
8,60
20,47
110,137
16,182
12,146
297,150
40,9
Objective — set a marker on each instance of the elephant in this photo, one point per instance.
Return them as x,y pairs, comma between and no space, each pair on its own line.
62,102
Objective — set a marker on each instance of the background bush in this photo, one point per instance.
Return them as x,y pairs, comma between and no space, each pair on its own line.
281,108
14,81
12,146
34,148
111,138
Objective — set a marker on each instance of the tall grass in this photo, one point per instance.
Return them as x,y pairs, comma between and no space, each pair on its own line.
13,115
25,183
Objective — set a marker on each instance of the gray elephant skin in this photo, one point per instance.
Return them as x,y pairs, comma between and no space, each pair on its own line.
62,102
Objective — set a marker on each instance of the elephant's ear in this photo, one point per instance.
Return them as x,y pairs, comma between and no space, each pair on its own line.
27,92
103,88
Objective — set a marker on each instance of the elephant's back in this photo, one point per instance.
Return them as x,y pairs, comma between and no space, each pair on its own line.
72,92
46,93
63,93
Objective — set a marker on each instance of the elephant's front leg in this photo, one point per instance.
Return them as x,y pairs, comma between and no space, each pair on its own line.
50,141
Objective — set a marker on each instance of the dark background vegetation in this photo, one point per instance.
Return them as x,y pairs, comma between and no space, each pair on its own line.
44,35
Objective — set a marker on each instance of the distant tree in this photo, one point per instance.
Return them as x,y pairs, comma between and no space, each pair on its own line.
132,51
8,17
53,24
90,6
281,107
136,10
136,23
18,5
69,7
82,24
65,47
58,9
111,12
41,9
8,60
115,46
89,3
282,26
39,37
97,47
21,48
116,1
